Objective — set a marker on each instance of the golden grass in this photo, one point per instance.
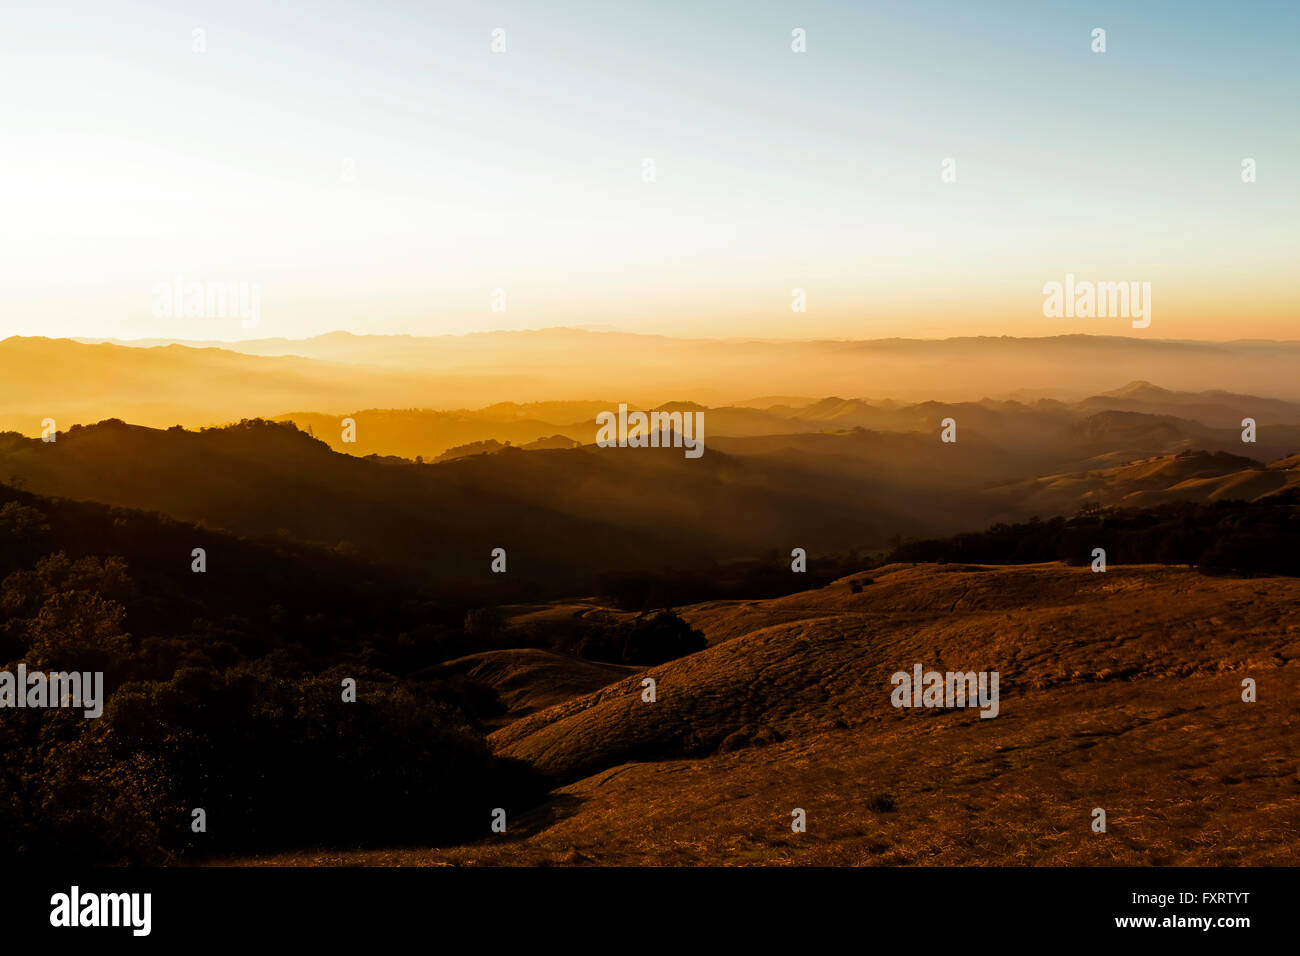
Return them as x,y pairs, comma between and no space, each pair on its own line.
1119,690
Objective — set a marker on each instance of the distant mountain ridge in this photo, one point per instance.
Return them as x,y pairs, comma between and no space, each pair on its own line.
1136,420
210,383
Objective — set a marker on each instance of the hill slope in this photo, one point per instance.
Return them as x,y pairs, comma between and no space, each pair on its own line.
1119,690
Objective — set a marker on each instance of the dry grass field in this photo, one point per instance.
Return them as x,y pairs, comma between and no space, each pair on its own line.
1120,690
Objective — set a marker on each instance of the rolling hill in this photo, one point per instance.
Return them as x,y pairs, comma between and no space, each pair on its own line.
562,515
566,515
1189,476
1120,690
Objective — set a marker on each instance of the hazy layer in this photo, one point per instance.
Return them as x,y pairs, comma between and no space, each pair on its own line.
76,382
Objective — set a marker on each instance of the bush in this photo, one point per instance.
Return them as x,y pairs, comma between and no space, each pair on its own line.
648,640
484,625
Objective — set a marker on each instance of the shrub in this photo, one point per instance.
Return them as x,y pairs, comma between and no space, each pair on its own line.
650,639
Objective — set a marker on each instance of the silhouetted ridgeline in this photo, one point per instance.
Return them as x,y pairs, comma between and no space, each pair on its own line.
563,516
1224,537
224,691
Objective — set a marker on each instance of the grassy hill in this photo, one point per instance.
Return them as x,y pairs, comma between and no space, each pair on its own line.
1119,690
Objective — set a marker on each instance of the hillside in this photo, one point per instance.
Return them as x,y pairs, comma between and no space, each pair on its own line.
435,523
1189,476
566,516
563,515
530,679
1119,690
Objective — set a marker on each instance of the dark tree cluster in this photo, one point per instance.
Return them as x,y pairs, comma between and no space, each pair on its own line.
646,641
740,580
1218,538
224,691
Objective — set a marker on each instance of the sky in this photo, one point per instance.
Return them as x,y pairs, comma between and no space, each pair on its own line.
378,168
